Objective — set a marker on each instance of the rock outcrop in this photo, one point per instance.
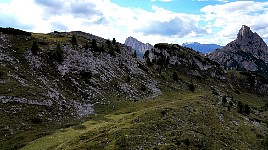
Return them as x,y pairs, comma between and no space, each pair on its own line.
137,45
247,52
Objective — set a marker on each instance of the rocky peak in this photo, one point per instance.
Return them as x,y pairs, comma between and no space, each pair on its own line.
137,45
247,52
251,42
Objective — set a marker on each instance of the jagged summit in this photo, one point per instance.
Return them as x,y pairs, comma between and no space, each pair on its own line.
251,42
247,52
137,45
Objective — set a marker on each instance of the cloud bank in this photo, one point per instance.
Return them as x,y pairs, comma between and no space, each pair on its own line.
214,24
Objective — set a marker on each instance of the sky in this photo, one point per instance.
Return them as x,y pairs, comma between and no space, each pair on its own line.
150,21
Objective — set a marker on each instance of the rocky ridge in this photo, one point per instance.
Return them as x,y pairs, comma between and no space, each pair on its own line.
137,45
247,52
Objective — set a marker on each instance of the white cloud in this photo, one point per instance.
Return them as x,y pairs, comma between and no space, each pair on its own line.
106,19
231,16
103,18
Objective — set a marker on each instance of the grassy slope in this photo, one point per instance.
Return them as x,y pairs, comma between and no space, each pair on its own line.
177,119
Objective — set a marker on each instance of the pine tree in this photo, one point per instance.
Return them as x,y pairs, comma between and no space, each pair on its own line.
246,109
240,107
94,45
114,41
34,48
175,76
74,40
135,54
57,54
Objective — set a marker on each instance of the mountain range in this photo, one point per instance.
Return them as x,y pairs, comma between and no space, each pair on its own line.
75,90
203,48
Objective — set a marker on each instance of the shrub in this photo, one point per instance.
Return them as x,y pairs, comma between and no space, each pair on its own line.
191,87
246,109
86,46
1,75
135,54
175,76
108,42
114,41
240,107
146,54
143,87
94,44
36,120
57,54
74,40
224,100
34,48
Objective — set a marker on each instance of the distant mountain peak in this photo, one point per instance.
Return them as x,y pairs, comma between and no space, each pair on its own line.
137,45
204,48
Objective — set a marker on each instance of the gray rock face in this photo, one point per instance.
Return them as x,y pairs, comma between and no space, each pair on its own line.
247,52
137,45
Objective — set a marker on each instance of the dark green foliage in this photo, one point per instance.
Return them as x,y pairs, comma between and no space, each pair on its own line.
114,41
187,142
246,109
117,49
160,61
57,54
112,52
143,88
34,48
14,31
224,99
94,45
108,42
36,120
146,54
86,46
240,107
135,54
237,91
1,75
191,87
86,74
128,78
74,40
175,76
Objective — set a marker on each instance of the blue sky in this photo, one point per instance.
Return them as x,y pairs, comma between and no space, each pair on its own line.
150,21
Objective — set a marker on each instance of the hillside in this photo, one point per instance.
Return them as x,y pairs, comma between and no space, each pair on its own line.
74,90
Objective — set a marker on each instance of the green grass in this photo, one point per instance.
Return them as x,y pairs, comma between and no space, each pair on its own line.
167,121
